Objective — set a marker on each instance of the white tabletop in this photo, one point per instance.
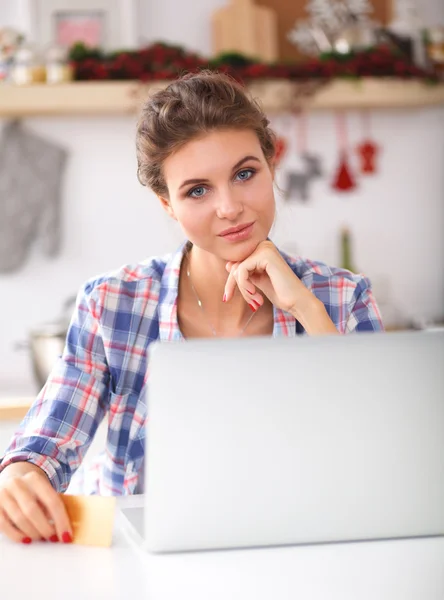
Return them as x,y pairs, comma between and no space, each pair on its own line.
390,570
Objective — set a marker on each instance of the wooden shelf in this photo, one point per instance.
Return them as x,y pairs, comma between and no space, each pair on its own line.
125,97
15,410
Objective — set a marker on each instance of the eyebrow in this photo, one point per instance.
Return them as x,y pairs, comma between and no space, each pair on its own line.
236,166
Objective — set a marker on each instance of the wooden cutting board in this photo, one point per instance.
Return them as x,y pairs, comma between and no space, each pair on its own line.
92,518
246,28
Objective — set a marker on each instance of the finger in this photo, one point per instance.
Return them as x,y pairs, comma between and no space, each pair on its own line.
247,288
230,284
8,529
52,502
256,298
31,507
16,516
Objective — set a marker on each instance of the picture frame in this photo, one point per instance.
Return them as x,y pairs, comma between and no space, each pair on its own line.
107,24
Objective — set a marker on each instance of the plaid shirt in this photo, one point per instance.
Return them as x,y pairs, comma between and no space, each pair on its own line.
103,370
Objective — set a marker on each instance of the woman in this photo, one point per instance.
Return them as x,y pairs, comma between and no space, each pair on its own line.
207,151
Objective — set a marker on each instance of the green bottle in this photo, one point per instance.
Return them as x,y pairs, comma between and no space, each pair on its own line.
346,251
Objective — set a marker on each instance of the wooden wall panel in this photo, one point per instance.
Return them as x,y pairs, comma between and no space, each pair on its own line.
289,11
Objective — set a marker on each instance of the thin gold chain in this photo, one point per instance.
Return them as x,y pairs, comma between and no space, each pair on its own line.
199,302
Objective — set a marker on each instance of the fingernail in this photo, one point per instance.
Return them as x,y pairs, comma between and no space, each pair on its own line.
66,538
42,539
224,299
53,538
26,540
253,307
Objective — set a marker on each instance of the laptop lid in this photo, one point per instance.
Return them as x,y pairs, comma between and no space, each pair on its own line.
262,441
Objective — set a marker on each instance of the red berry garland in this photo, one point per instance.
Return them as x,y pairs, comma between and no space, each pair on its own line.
163,61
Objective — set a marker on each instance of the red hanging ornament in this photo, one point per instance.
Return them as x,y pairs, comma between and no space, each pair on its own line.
343,180
280,150
367,150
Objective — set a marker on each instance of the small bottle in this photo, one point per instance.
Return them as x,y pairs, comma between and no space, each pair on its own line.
346,251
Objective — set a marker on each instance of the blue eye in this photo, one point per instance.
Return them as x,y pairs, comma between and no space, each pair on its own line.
197,192
245,174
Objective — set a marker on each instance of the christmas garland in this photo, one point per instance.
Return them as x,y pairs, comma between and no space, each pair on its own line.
162,61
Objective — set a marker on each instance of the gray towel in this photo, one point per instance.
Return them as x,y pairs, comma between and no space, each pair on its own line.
31,174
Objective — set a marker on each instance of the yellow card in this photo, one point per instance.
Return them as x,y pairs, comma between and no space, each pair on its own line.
92,518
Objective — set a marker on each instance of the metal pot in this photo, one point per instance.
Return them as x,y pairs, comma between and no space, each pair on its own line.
46,343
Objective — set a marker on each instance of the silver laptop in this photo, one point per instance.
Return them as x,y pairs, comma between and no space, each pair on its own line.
260,441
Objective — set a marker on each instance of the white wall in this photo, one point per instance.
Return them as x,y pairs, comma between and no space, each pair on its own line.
397,217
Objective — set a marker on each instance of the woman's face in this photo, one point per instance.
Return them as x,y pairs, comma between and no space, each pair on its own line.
218,182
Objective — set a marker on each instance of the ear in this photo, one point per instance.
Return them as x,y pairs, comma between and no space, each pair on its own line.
167,207
272,166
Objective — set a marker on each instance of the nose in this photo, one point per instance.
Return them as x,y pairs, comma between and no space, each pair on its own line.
228,205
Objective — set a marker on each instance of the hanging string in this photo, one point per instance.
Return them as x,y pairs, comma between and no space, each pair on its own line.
366,124
341,129
301,133
344,180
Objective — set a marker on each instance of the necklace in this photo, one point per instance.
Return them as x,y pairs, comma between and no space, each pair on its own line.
199,302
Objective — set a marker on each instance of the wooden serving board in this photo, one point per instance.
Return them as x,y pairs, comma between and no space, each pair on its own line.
246,28
92,518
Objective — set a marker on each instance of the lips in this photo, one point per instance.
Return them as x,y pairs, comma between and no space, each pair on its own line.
237,229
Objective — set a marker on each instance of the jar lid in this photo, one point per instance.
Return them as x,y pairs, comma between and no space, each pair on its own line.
56,54
25,54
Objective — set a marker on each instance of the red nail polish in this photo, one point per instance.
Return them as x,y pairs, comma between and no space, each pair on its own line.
253,307
66,538
54,538
26,540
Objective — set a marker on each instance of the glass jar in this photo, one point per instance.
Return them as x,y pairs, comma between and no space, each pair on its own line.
435,48
58,68
27,67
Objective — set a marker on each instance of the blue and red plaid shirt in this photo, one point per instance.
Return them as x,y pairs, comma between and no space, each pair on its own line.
103,370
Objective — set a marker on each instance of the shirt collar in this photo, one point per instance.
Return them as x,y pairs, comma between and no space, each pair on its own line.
284,323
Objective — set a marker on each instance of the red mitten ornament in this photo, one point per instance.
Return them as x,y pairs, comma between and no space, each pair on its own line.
368,149
367,152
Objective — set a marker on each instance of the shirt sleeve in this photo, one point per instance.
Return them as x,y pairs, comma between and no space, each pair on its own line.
364,314
59,427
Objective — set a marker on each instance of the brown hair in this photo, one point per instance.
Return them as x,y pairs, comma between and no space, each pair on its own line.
188,107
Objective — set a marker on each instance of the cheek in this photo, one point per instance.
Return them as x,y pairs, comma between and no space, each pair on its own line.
260,196
194,219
